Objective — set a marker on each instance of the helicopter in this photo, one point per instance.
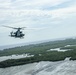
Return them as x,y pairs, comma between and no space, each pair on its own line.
18,33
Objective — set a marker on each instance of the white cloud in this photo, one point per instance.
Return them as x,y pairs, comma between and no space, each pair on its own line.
62,12
29,4
24,11
5,4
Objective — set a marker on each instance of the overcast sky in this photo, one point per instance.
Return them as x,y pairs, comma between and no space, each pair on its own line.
53,18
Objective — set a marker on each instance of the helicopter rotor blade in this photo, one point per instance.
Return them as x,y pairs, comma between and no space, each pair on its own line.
36,28
22,28
14,27
9,27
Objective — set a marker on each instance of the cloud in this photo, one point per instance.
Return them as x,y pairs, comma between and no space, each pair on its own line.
19,8
29,4
25,15
5,4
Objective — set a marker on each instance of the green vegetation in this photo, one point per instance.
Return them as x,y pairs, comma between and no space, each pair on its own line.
49,56
38,48
41,49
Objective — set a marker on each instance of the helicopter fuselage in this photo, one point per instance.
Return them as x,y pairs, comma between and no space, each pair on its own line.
17,34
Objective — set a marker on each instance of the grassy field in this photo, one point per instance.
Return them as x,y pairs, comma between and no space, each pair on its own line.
40,52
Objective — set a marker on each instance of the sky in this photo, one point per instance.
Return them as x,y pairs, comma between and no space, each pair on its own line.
44,19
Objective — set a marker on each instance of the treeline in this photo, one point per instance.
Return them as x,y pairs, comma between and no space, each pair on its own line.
52,56
48,56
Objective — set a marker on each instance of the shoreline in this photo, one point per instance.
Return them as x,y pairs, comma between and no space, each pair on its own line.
42,68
